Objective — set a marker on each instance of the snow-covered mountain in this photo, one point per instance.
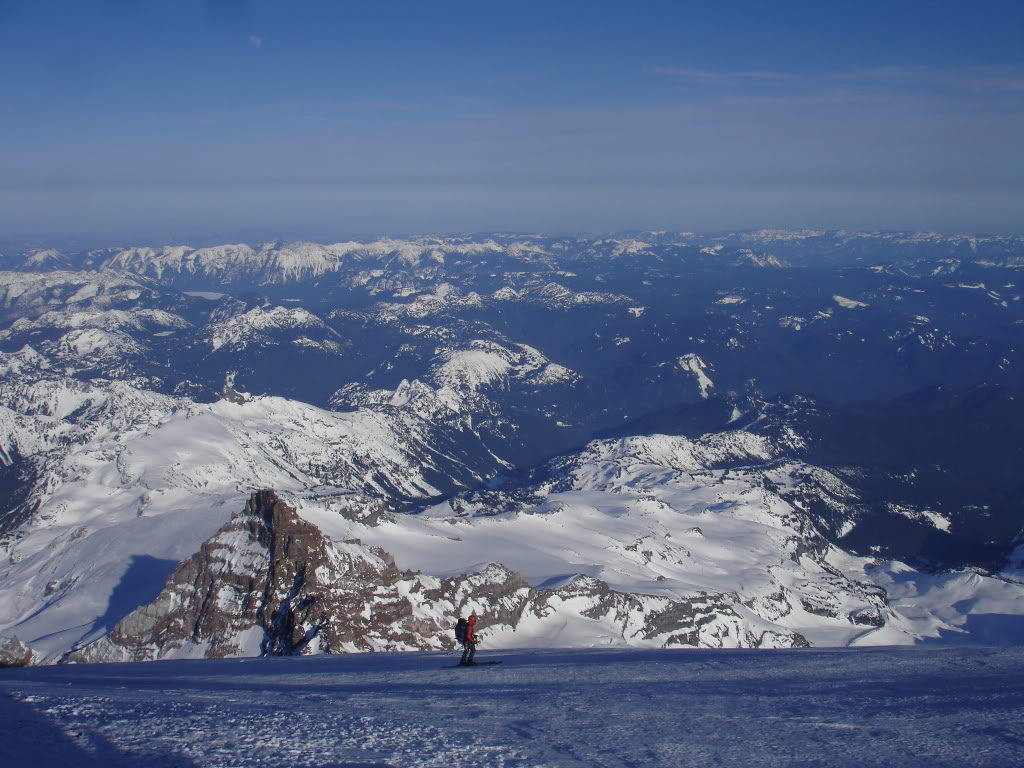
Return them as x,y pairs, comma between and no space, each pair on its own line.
656,439
269,583
389,265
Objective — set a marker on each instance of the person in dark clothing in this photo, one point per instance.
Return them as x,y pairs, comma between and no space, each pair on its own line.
469,645
460,631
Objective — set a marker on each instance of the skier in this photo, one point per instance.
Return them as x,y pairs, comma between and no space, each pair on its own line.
460,631
469,644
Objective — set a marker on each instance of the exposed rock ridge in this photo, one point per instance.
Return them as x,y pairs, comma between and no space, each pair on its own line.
266,577
15,653
269,583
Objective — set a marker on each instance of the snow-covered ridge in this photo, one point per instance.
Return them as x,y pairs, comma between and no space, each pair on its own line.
485,362
660,515
464,380
422,343
678,455
274,262
846,303
141,475
282,587
446,298
249,328
108,320
696,366
279,263
30,292
650,522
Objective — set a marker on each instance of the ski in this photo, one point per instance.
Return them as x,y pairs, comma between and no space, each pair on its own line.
474,664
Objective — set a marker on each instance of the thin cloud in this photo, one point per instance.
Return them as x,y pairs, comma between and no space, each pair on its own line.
971,79
710,76
1006,82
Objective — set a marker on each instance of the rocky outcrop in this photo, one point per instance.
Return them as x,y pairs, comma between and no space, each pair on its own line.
269,583
266,582
14,653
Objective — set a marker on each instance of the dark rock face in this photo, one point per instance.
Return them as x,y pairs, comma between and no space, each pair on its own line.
269,583
14,653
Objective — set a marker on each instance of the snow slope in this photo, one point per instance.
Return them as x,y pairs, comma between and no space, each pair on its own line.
938,708
141,480
131,482
667,517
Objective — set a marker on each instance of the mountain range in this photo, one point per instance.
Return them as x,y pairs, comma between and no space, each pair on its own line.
752,439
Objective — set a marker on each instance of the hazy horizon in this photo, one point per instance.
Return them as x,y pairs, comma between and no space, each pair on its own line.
12,246
247,116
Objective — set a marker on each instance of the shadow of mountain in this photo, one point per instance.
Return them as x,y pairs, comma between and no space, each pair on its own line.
30,738
983,629
140,584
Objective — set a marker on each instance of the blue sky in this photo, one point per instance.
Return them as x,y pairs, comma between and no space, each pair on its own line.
245,120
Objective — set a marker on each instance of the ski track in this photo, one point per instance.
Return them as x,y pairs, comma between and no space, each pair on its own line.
543,709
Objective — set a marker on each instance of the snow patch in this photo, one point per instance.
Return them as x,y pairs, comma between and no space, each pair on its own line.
695,365
846,303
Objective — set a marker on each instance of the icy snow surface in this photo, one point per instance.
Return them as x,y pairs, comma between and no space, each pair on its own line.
539,709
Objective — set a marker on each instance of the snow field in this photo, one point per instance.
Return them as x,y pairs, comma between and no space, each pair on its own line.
146,478
540,708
